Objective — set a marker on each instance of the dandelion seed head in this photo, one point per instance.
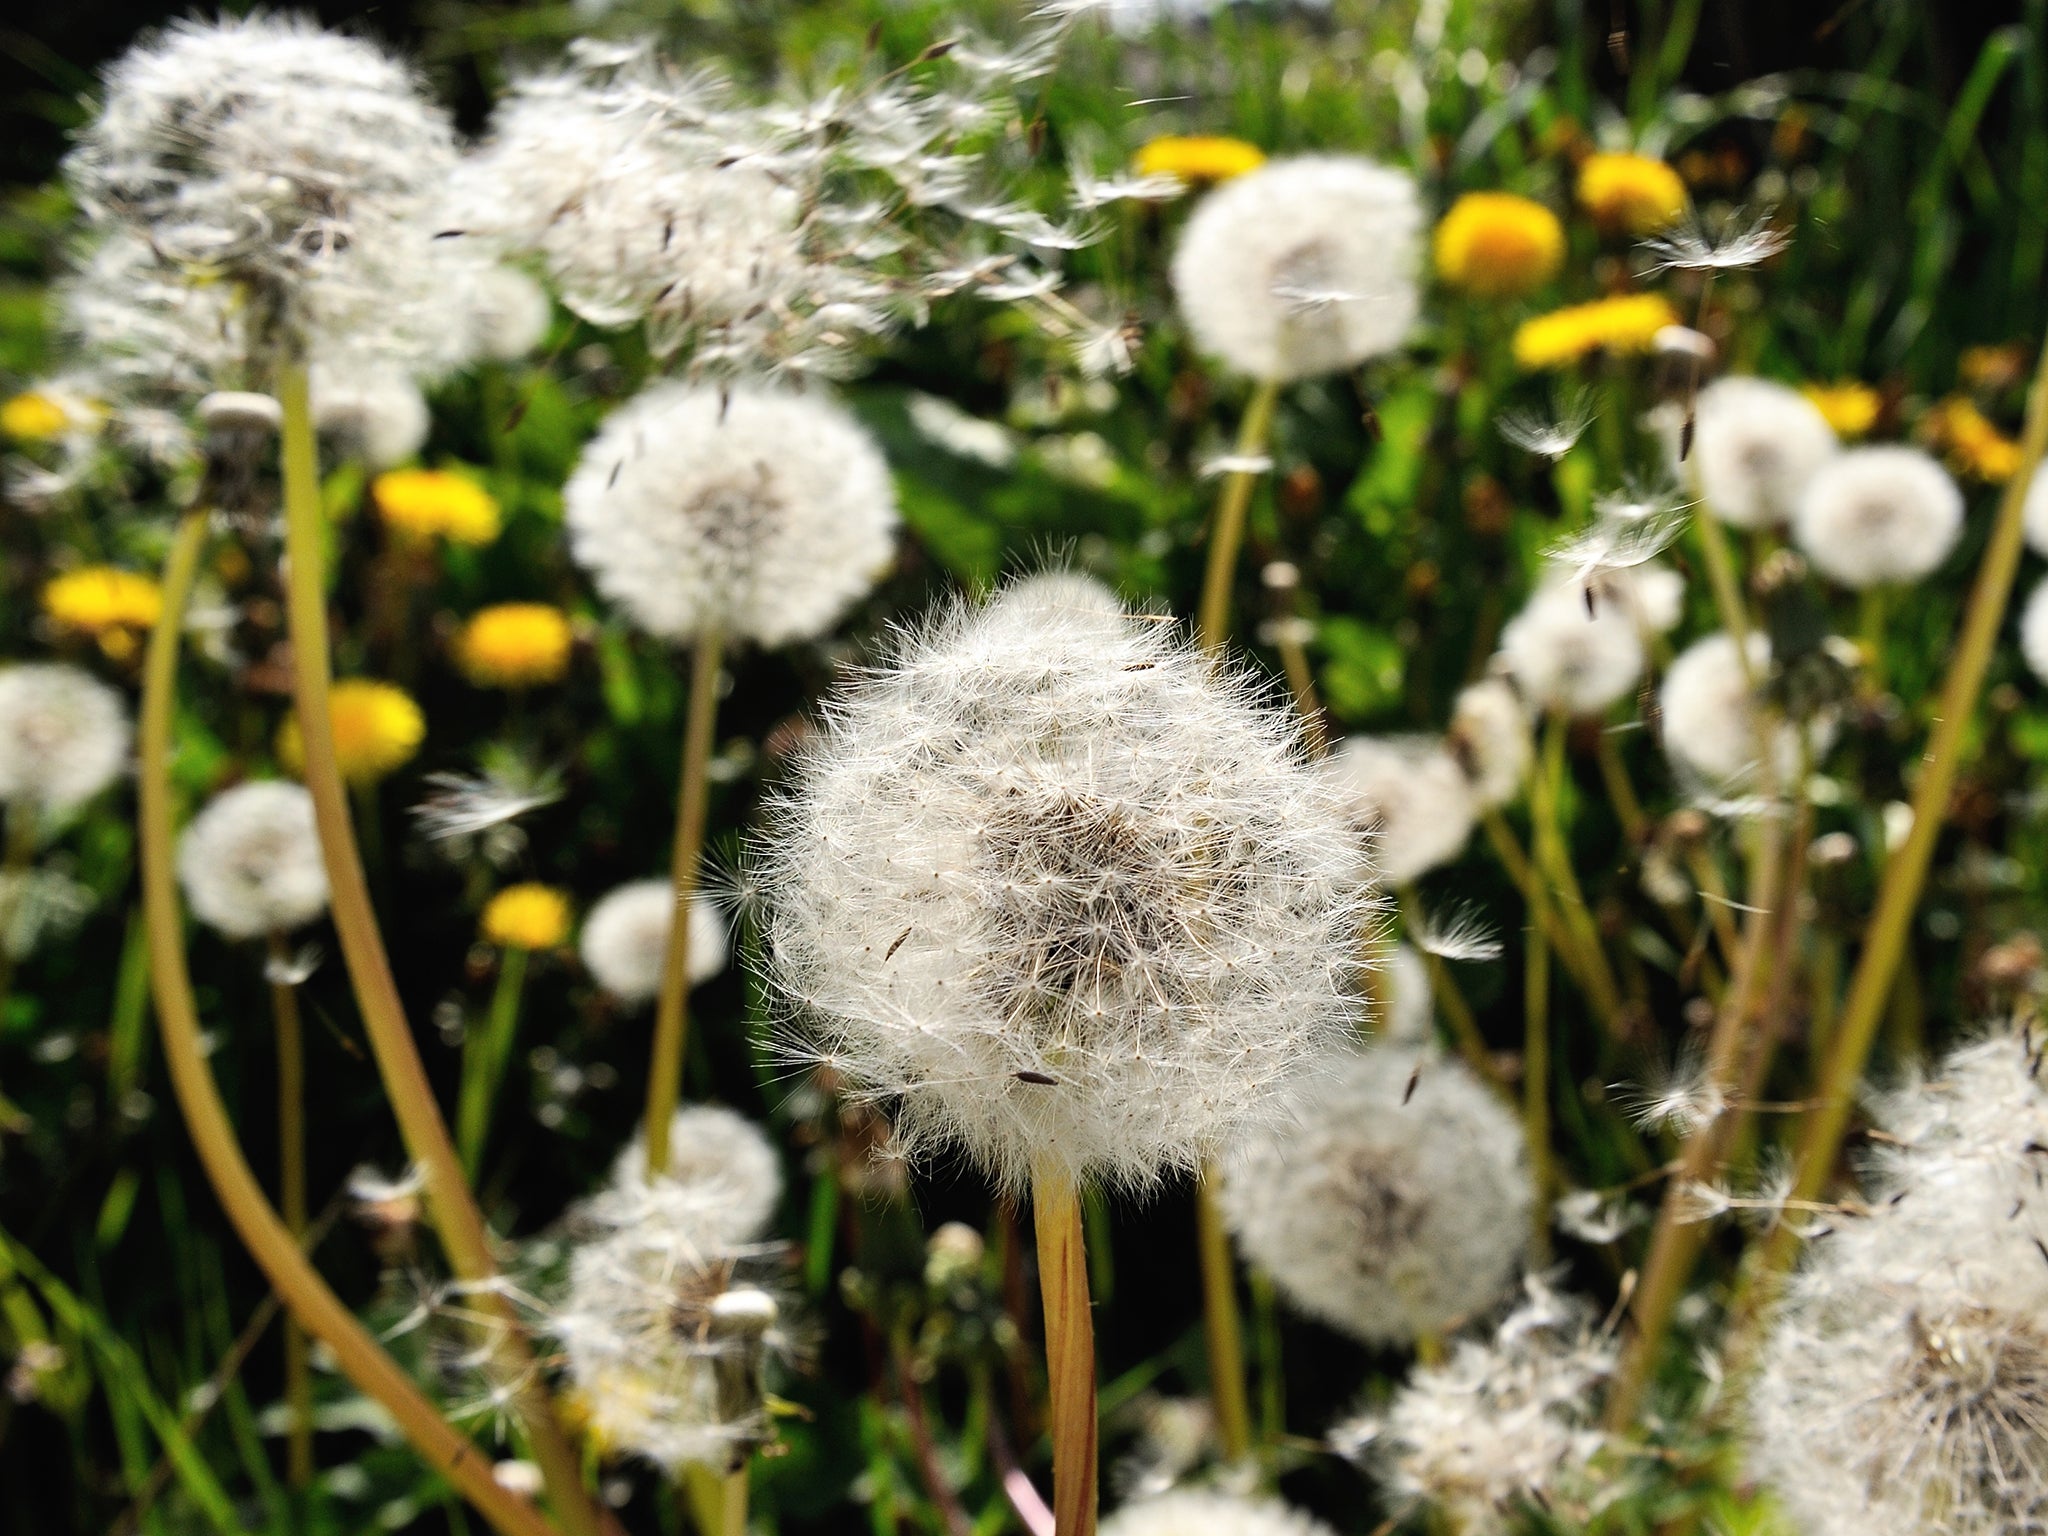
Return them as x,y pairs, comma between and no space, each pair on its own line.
1713,721
1567,653
717,1155
1303,267
1395,1204
2034,631
1489,737
1409,796
1878,516
63,735
376,415
1756,446
1410,1018
509,314
1199,1512
2035,510
250,861
625,939
1063,892
758,514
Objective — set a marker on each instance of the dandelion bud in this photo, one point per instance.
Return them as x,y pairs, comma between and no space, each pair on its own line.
1410,797
953,1256
1756,446
625,939
63,735
250,861
1879,516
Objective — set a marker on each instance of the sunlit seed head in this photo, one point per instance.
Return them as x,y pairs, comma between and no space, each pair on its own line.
377,729
1883,516
1714,722
526,916
436,504
1498,244
1756,447
1409,797
377,416
756,514
1303,267
1196,1512
63,735
250,861
625,939
1573,653
716,1154
1410,1018
515,645
1489,738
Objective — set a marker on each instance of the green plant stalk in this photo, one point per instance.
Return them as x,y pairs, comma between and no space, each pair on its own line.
1905,876
291,1196
450,1203
1069,1351
1870,620
267,1238
1554,859
1720,563
484,1056
21,852
1536,1090
672,1010
1562,942
1444,988
1226,529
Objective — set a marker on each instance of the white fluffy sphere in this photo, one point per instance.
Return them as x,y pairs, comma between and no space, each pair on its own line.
1566,653
716,1153
509,314
1065,892
1489,737
2036,509
1198,1512
1411,1003
1410,797
250,861
63,735
625,939
2034,631
1385,1212
760,514
1755,446
377,415
1712,726
1877,516
1302,267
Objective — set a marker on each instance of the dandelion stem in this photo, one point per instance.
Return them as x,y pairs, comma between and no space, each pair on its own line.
1536,1088
484,1056
454,1210
672,1011
1727,590
21,852
1554,859
1870,620
291,1196
1069,1351
1226,529
1222,1328
268,1240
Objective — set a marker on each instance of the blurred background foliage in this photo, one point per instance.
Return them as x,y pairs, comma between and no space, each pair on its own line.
1905,145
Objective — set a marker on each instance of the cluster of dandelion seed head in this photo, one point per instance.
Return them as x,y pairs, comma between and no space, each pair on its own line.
1064,892
376,415
250,861
63,735
625,939
1397,1201
1489,738
1409,796
1713,719
1200,1512
1302,267
265,183
1502,1426
753,513
1572,649
1903,1384
721,1161
1883,516
1756,446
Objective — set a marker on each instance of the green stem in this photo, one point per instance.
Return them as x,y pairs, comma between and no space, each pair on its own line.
291,1194
1720,563
672,1011
1222,1327
1870,617
269,1241
1536,1088
1226,529
21,852
1553,859
484,1055
1444,988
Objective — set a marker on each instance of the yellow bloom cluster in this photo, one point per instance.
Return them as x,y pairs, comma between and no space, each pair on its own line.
1498,245
528,916
377,729
1972,443
1625,324
514,645
1198,157
436,503
1631,194
1850,408
96,599
33,416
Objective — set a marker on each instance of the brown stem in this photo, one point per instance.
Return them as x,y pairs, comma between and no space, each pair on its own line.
1222,1327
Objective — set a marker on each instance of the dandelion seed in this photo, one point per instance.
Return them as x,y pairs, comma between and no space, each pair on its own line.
463,806
1692,247
1550,436
1459,932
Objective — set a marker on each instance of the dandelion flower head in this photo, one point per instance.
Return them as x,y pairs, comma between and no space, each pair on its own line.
436,504
1409,796
1971,441
94,599
63,735
52,411
1489,737
526,916
250,861
1756,446
1849,408
1197,157
1878,516
1498,244
625,939
757,514
717,1154
1305,266
1064,893
377,729
1573,652
1201,1512
515,645
1632,195
1625,325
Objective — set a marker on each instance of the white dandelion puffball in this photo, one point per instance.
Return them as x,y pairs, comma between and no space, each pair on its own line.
625,939
1489,737
1902,1382
1302,267
1397,1203
377,415
1064,892
63,735
1878,516
2036,510
509,314
1572,655
1712,724
1652,593
1198,1512
2034,631
250,861
761,515
305,168
1502,1426
718,1155
1410,797
1755,446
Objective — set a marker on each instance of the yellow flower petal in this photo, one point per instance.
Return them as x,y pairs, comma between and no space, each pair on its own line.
1498,245
97,598
1198,157
1626,324
1631,194
436,503
377,729
529,916
514,645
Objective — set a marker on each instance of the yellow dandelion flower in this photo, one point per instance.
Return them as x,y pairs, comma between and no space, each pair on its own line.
1626,324
1498,245
1850,408
377,729
1993,368
99,599
514,645
1972,444
529,916
33,416
1631,194
1198,157
436,503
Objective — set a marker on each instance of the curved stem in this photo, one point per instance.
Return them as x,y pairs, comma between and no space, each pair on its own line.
1069,1352
453,1208
672,1011
1226,529
1536,1088
291,1195
267,1238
